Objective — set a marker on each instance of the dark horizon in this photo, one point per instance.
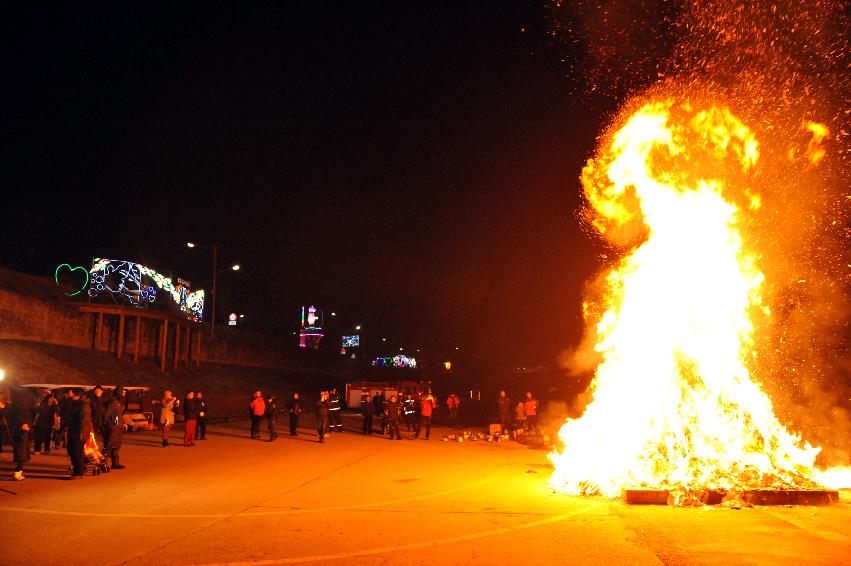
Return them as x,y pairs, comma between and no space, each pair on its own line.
413,169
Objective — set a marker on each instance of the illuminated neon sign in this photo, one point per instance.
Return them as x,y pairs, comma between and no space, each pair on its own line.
72,269
311,328
140,285
399,361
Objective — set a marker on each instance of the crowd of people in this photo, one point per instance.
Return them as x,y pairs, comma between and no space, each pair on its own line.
89,423
81,423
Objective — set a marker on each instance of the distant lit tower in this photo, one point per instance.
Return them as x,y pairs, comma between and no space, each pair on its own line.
311,328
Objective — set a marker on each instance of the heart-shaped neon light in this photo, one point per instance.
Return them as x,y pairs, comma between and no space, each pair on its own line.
73,269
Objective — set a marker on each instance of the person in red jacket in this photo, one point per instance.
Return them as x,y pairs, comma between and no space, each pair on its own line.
426,409
453,403
257,410
531,409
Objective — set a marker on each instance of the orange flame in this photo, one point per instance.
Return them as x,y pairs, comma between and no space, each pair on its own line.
674,404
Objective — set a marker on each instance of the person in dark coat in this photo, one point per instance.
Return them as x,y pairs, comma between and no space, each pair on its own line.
503,405
16,424
44,417
190,414
272,416
295,409
79,429
66,408
378,403
98,407
393,410
322,410
366,410
201,422
113,428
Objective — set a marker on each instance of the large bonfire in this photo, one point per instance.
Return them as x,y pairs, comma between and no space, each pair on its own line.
674,403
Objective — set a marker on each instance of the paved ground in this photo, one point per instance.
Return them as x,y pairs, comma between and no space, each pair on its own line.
369,500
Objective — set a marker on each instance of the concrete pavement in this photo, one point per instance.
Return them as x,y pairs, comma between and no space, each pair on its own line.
370,500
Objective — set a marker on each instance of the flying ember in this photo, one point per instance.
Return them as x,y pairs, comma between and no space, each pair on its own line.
674,403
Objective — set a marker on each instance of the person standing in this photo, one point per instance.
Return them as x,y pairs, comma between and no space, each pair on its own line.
44,418
393,411
257,410
17,426
295,410
530,407
80,427
272,416
2,427
167,415
190,414
453,403
201,427
335,411
426,410
66,407
322,409
366,410
503,406
98,406
378,408
409,409
114,426
519,419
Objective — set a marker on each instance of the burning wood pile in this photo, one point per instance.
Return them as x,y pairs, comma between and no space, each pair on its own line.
681,323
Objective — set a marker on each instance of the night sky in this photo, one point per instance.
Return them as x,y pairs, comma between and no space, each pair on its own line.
412,166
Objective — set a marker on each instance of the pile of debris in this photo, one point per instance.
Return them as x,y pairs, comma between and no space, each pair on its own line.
495,435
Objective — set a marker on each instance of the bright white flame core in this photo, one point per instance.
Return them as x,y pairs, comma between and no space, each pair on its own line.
674,405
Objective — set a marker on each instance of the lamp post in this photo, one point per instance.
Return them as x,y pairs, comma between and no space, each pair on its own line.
216,272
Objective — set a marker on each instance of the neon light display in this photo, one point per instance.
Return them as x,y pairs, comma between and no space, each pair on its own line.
399,361
73,269
351,341
140,285
311,328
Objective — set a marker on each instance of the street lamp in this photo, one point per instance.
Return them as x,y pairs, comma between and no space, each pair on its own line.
235,267
357,327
